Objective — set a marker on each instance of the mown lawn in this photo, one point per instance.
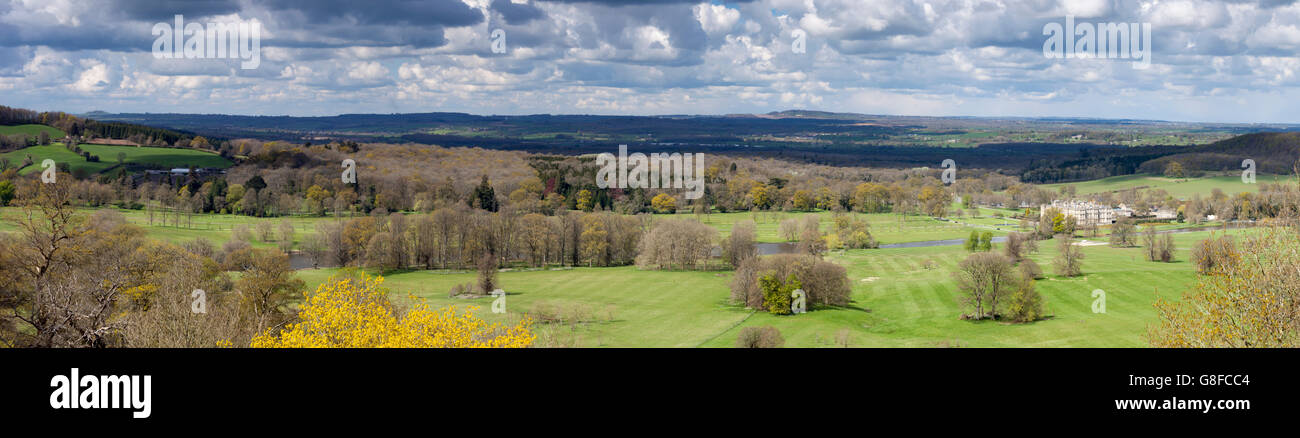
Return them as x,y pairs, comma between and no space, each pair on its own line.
896,302
885,227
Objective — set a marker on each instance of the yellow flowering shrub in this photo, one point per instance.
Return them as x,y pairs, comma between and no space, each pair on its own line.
348,312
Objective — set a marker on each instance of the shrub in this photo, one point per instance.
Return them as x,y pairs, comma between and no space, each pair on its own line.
200,247
760,337
356,312
241,232
1213,254
1030,269
774,298
1025,303
777,296
825,283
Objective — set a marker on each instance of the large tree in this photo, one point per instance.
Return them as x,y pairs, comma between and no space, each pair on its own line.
983,279
1123,234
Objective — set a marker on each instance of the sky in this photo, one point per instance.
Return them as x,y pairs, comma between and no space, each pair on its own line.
1210,61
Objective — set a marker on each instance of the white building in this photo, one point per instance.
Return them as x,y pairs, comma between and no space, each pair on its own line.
1085,213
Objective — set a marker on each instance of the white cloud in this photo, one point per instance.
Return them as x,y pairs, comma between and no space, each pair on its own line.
93,79
949,57
716,19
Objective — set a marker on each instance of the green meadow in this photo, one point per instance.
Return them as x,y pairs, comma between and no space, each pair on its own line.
1182,188
885,227
216,228
897,302
31,130
901,297
108,155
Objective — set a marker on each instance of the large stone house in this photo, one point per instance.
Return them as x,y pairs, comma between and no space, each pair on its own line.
1085,213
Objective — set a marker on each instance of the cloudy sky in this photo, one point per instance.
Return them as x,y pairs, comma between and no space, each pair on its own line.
1226,61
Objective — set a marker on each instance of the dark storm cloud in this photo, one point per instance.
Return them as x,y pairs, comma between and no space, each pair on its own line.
137,40
382,12
162,10
517,13
340,23
337,36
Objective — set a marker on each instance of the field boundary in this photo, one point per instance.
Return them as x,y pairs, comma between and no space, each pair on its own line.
733,326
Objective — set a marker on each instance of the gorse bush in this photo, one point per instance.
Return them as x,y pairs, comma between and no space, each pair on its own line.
777,295
350,312
1213,254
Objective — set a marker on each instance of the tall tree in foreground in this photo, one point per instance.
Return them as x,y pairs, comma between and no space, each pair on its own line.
1250,297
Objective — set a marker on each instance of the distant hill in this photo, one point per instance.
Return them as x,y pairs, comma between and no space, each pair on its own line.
1042,150
1273,152
20,121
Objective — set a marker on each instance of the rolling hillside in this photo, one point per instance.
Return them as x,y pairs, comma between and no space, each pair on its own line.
31,130
108,155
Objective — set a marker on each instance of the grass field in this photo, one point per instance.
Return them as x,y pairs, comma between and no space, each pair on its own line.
896,302
1182,188
31,130
213,227
885,227
165,157
217,227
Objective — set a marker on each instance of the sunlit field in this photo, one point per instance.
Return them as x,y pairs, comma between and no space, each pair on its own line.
897,302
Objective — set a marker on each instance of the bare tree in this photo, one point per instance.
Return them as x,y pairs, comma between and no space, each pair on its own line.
316,249
1123,233
487,273
789,229
739,245
1014,248
264,230
286,235
983,278
1069,257
676,243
